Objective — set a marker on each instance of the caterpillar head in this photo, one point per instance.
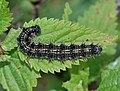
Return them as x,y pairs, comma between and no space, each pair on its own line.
96,50
36,29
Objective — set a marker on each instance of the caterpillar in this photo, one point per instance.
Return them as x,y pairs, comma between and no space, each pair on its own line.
53,51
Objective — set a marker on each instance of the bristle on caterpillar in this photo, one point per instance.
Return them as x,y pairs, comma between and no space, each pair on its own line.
53,51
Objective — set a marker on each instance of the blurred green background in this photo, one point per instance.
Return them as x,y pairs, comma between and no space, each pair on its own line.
23,10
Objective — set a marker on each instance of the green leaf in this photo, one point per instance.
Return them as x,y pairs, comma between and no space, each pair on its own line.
97,65
102,16
67,12
45,66
52,83
16,76
5,16
4,58
3,4
77,80
74,84
11,40
59,31
82,73
111,77
115,64
110,80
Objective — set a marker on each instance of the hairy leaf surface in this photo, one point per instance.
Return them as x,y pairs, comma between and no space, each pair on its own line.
59,31
67,12
110,80
11,40
5,16
78,80
16,76
102,16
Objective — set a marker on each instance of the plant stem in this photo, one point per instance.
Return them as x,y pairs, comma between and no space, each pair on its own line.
37,6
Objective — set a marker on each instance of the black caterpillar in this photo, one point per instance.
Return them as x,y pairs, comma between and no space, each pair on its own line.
52,51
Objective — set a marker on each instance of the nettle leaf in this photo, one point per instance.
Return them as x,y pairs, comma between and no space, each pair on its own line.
45,66
74,83
102,16
16,76
79,78
4,58
67,12
111,77
3,4
5,16
10,42
98,64
59,31
115,64
110,80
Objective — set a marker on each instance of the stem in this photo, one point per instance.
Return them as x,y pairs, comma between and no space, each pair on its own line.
37,6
